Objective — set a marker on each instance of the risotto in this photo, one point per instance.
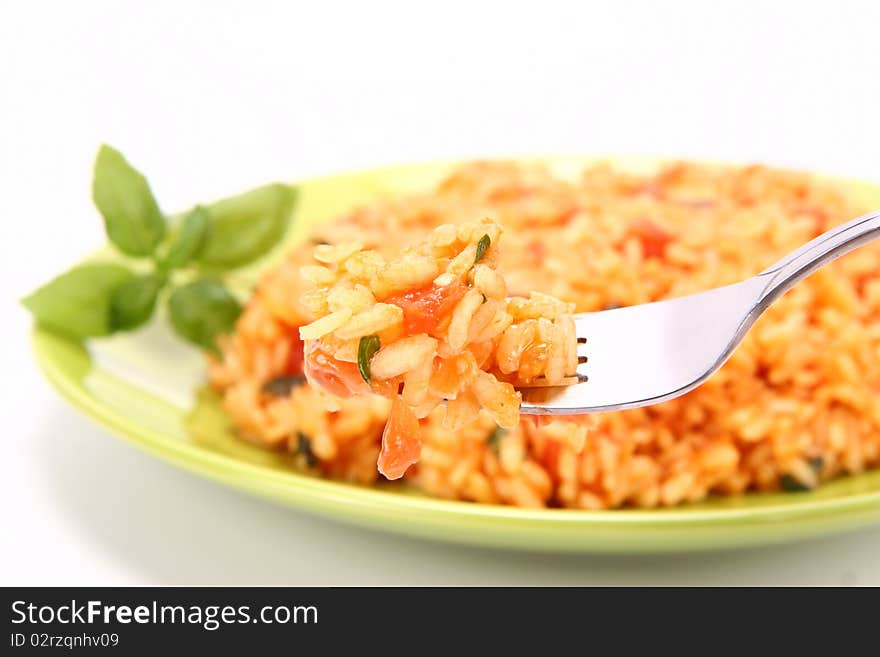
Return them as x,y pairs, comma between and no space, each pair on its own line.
796,404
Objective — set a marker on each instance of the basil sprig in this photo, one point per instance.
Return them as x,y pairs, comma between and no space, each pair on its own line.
183,264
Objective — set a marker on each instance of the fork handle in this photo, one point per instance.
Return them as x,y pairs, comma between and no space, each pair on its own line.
817,253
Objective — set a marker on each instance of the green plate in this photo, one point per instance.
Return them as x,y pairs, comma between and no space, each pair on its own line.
148,388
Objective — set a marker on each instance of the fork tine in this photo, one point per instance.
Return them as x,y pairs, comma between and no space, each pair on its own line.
640,355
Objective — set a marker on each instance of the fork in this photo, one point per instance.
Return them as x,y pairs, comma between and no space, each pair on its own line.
649,353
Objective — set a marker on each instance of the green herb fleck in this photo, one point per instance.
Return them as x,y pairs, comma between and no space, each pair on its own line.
202,310
792,485
367,348
281,386
482,247
494,439
304,448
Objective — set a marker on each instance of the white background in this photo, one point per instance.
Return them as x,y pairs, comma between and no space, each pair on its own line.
211,97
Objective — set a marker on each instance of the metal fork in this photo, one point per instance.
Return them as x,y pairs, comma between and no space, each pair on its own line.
650,353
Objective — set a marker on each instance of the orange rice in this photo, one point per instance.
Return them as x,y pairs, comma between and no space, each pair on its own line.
796,404
432,326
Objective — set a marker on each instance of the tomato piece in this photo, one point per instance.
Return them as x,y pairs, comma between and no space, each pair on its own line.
550,457
401,445
335,376
653,238
425,308
651,188
536,251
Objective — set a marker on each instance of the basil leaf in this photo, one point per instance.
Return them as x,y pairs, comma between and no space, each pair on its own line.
247,226
133,302
202,310
482,247
367,348
77,303
493,440
131,215
190,240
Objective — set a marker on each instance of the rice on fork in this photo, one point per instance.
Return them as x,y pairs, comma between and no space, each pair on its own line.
433,325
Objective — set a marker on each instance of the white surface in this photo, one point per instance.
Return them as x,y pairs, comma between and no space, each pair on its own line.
209,99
